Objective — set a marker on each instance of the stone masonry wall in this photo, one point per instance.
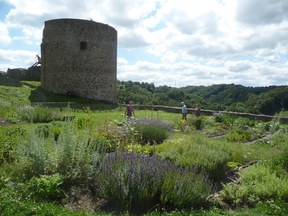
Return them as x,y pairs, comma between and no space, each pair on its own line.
79,57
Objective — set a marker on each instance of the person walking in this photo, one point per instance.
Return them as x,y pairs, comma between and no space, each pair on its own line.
197,110
129,112
184,111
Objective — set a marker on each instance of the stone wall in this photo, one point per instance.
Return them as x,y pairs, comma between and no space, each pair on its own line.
260,117
30,74
16,73
79,57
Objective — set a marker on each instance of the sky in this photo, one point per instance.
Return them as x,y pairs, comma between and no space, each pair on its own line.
166,42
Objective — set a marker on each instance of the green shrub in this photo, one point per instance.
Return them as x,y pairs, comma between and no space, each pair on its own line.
259,183
9,137
141,149
239,135
7,109
183,126
243,123
279,141
34,156
46,188
57,131
73,155
208,155
81,123
14,202
198,123
224,119
4,178
274,124
42,130
77,152
272,207
42,114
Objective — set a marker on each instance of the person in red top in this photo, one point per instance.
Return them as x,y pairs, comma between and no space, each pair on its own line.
197,110
129,112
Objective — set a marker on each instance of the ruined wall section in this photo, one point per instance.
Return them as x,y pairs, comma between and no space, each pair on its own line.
79,57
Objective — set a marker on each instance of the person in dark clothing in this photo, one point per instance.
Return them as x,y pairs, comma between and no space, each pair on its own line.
129,112
197,110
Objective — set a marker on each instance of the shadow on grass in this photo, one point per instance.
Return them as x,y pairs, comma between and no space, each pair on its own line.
42,97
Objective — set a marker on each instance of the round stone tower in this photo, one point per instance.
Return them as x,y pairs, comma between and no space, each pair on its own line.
79,57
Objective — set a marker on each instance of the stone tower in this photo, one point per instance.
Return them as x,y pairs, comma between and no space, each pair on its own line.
79,57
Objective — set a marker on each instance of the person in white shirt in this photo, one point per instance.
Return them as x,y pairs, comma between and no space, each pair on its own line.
184,111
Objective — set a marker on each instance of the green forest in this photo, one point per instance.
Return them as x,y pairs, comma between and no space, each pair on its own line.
229,97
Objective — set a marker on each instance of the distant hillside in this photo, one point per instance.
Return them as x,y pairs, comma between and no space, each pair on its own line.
265,100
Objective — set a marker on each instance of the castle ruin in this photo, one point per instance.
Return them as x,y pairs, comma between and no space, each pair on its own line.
79,57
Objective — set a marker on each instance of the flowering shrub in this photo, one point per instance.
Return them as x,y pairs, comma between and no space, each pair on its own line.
155,122
133,181
118,137
185,187
26,113
184,126
152,131
130,180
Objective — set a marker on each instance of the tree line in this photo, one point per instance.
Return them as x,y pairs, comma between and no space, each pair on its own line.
227,97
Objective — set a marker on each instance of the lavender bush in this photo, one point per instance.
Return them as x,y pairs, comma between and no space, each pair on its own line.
133,181
155,122
152,131
130,180
185,187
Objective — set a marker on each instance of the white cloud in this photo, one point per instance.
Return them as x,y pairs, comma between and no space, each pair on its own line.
237,66
15,59
135,38
261,12
4,35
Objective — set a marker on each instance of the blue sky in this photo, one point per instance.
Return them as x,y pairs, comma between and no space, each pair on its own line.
166,42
